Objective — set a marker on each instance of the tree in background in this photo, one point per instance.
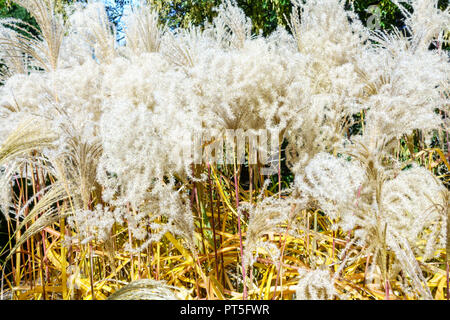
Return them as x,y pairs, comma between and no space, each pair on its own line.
266,15
10,9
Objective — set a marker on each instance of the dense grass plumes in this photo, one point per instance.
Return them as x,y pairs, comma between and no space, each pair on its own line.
104,195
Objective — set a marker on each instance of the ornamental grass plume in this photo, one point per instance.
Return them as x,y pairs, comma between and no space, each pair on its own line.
43,49
266,218
27,136
146,289
11,58
314,285
331,39
143,32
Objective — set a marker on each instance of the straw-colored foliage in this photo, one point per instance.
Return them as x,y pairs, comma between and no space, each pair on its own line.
101,201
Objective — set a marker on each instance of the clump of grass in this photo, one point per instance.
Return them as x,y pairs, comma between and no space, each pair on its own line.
104,199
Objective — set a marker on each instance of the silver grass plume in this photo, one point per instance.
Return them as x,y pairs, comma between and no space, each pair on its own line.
315,285
45,48
235,27
31,134
266,217
143,33
45,212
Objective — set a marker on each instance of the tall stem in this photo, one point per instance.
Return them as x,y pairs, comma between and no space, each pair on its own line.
448,281
240,233
282,253
213,221
92,271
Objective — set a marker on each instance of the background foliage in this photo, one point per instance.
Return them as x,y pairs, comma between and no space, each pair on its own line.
265,14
